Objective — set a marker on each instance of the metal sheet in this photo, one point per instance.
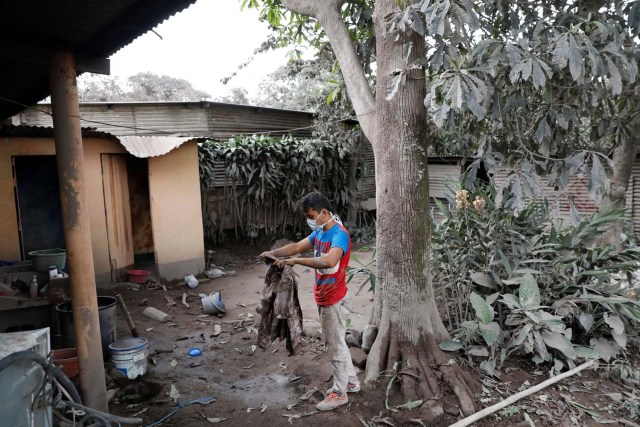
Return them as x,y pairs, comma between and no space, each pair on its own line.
152,146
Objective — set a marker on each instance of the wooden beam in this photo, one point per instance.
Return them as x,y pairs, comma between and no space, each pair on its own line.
77,232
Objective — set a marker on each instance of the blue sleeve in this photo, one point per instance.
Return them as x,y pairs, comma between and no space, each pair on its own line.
340,240
311,236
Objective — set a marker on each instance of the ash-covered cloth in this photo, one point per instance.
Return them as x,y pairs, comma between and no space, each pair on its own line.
280,309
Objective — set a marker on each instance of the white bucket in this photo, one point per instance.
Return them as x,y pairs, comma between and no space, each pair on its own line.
213,303
129,355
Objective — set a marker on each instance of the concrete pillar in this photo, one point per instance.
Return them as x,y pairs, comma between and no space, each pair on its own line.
77,233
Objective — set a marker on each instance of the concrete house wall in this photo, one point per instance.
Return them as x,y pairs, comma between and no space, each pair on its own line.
174,193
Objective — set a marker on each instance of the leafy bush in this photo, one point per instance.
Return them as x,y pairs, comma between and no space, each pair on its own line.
528,284
267,176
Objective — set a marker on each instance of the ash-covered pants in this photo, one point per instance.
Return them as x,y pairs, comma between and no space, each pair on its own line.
333,321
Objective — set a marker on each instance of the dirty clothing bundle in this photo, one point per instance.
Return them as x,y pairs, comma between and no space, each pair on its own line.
280,309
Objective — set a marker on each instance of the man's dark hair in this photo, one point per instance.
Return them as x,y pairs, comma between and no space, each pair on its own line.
316,201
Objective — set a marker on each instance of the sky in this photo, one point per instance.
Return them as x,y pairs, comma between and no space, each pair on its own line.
202,45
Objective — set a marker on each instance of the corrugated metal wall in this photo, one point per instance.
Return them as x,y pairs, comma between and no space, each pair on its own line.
442,172
209,119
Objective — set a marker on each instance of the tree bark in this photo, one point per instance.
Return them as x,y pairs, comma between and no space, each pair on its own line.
623,158
404,309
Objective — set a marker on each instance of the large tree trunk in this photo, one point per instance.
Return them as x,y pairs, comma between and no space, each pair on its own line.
409,325
405,310
623,158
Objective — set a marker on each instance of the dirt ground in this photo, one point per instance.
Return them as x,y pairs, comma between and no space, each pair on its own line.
264,387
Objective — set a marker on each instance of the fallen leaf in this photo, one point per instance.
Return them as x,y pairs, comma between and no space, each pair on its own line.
174,363
149,329
222,342
253,349
291,405
238,350
216,420
249,315
263,408
174,393
282,365
153,361
242,305
274,350
217,329
250,409
249,367
291,417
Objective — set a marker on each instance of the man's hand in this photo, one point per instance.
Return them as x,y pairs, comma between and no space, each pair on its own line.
289,261
268,255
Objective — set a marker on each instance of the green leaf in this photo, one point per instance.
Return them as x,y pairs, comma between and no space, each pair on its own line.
450,345
585,352
606,351
510,301
489,366
478,350
529,292
483,311
490,332
615,323
615,79
586,320
483,279
559,342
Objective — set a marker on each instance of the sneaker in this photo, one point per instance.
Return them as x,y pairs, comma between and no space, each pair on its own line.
332,401
351,388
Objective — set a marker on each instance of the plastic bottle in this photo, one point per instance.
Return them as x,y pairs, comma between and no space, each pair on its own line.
33,287
53,272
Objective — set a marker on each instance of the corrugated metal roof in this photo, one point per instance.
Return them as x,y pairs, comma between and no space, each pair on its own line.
45,132
210,119
31,29
152,146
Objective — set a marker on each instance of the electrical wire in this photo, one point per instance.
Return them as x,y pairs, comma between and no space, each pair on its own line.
30,107
201,401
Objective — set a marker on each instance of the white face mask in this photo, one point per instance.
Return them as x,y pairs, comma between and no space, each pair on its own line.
312,223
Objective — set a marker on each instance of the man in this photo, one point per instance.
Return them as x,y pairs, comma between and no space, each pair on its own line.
332,250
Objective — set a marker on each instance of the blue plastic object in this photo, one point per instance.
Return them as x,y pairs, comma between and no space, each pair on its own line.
195,352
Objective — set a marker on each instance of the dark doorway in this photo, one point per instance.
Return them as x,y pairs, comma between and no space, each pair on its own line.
143,246
38,203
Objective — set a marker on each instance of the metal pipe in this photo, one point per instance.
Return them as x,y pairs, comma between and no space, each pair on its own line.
77,232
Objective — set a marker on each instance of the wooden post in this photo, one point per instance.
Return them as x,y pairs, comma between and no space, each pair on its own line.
77,232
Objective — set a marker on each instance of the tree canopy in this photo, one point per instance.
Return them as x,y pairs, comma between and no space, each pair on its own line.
140,87
548,87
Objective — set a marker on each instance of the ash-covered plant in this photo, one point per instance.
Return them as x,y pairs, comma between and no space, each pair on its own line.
529,284
265,177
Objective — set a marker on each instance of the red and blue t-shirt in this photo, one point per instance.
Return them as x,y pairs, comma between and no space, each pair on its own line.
330,285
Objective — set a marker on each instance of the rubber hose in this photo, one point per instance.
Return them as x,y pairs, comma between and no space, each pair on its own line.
35,357
101,421
108,417
24,355
68,385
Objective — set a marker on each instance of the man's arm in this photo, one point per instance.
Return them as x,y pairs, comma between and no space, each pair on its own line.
288,250
328,261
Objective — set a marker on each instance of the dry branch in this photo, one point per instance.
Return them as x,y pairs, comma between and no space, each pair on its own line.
184,300
503,404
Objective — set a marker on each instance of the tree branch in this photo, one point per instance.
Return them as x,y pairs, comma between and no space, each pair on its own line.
327,12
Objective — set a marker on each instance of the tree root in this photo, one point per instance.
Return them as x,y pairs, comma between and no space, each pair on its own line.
421,371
